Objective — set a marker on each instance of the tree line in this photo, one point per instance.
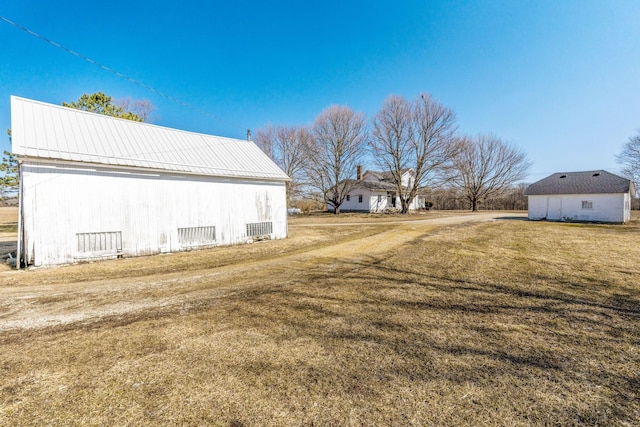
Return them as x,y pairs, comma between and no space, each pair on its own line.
454,171
419,134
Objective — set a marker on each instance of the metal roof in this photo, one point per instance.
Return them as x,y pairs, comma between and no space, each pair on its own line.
588,182
47,131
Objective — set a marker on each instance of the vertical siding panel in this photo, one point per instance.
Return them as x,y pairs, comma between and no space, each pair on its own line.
148,210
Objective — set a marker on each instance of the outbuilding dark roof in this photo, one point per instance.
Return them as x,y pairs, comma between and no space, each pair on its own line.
589,182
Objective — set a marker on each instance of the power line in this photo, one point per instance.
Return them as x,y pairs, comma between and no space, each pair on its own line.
123,76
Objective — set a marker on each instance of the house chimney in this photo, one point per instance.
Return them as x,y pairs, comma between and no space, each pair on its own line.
359,172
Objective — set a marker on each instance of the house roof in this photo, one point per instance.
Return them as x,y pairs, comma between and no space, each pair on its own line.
47,131
374,185
384,176
588,182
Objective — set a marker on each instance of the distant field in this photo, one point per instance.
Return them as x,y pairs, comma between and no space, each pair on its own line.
353,217
504,322
8,221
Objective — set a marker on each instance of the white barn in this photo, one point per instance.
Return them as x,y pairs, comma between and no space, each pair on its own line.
93,186
593,196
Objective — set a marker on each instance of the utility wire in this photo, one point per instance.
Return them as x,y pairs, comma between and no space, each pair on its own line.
123,76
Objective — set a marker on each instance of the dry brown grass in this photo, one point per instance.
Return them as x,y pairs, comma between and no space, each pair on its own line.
501,323
299,241
360,217
8,221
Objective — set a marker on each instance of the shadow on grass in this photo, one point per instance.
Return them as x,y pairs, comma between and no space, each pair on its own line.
590,319
512,218
376,326
624,304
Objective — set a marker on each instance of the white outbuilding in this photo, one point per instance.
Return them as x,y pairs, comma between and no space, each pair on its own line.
93,186
592,196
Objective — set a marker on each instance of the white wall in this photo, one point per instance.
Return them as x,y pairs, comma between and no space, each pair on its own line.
353,205
627,207
60,200
370,202
407,179
537,207
378,201
606,207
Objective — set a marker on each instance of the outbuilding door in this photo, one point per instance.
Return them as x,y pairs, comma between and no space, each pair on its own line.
554,209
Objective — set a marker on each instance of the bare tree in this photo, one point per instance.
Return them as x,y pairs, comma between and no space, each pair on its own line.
338,146
391,140
289,148
142,108
417,136
486,166
447,197
629,158
512,198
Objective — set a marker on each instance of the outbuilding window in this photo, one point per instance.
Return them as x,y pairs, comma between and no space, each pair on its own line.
379,198
360,198
348,198
587,204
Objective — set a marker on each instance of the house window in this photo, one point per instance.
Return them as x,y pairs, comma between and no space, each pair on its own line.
587,204
360,198
379,198
348,198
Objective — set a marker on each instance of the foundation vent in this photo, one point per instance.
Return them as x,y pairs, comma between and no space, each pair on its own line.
197,236
102,243
259,228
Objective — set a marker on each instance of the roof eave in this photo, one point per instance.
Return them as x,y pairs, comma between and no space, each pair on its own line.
24,158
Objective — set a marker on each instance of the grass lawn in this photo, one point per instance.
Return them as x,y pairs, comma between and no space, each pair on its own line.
497,323
8,221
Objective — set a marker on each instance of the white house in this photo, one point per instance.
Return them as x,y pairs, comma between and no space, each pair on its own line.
93,186
375,192
597,196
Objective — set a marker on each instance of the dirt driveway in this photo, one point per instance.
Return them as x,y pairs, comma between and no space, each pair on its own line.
443,218
38,298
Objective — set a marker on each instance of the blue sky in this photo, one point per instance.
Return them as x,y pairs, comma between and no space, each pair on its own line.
559,79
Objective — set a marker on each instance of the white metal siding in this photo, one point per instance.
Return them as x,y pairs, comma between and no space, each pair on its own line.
61,201
605,208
